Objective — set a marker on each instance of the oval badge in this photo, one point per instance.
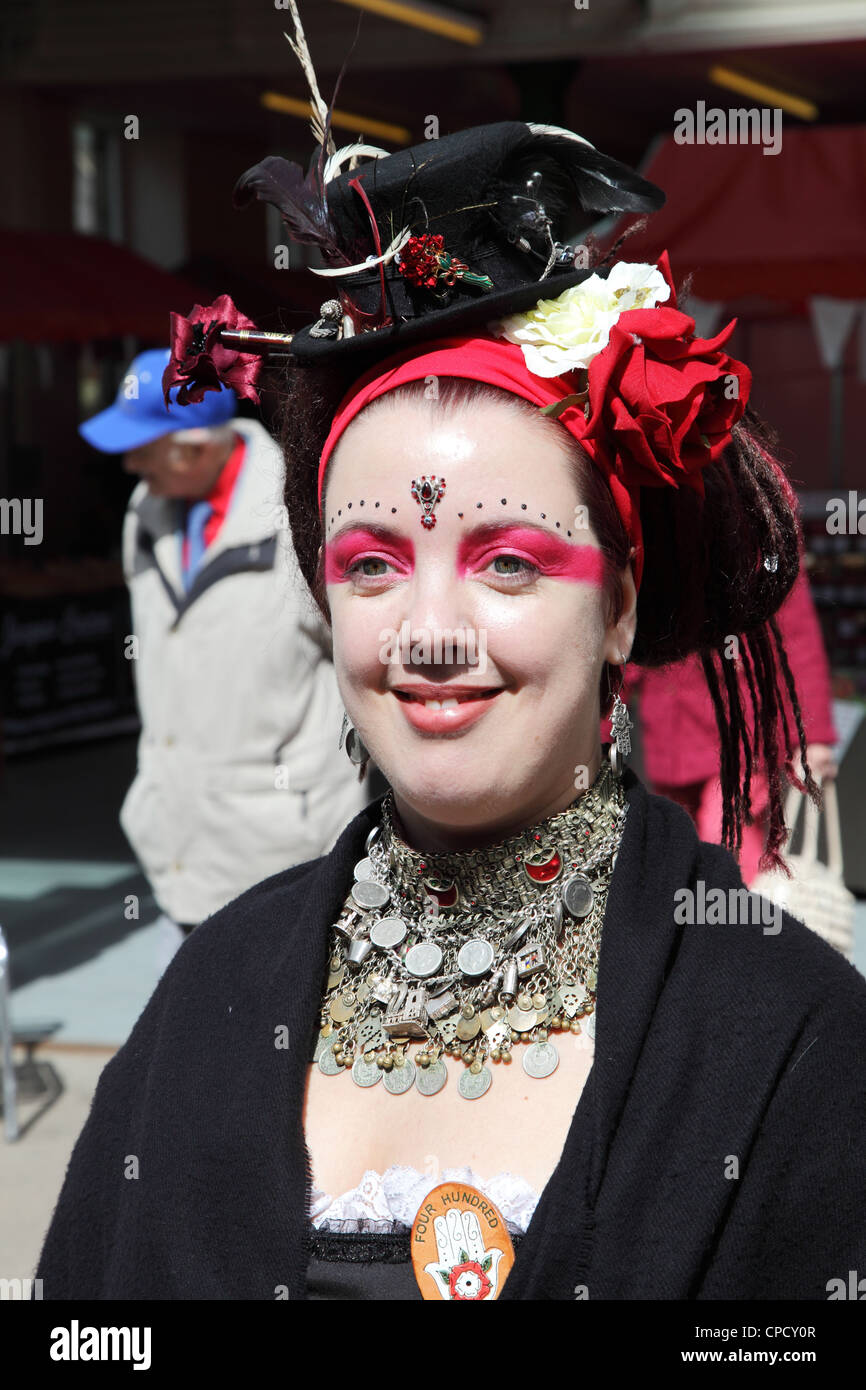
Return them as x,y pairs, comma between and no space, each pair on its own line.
461,1248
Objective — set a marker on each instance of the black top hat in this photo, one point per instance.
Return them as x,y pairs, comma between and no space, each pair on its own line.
485,209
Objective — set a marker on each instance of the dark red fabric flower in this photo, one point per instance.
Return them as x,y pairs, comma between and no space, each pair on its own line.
200,363
661,401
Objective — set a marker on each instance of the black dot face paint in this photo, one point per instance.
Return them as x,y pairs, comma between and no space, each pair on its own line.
479,505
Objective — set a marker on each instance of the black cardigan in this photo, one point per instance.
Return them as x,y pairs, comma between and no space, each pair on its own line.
714,1044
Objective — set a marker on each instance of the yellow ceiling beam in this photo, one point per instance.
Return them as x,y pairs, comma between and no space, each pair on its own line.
759,91
341,120
448,24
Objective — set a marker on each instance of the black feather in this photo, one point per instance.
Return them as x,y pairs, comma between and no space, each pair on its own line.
299,199
603,184
549,177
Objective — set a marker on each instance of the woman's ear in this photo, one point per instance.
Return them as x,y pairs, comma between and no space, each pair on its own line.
620,635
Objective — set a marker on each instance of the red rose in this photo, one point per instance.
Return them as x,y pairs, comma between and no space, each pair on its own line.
468,1282
200,363
661,401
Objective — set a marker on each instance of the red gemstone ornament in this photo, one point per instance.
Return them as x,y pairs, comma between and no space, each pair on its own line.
543,869
444,893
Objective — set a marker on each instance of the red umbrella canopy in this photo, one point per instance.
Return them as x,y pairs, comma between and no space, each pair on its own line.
69,288
780,226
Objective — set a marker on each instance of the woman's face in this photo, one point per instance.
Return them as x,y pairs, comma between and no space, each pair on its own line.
498,610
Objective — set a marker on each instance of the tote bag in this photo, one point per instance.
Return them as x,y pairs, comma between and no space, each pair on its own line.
816,894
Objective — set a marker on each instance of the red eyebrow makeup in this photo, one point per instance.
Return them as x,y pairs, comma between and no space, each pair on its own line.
373,541
550,554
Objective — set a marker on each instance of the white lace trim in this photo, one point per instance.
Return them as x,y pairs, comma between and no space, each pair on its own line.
382,1202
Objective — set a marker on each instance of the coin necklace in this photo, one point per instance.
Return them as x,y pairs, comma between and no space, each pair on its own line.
472,951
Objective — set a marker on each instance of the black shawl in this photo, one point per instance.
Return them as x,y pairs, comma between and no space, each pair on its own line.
718,1149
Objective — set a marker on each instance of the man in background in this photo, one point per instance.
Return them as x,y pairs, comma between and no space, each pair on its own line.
239,771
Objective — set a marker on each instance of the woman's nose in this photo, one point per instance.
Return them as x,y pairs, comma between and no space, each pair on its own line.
438,621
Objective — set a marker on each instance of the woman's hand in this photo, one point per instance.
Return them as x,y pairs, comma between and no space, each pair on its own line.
821,761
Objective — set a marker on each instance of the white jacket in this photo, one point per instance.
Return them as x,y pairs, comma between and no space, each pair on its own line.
239,772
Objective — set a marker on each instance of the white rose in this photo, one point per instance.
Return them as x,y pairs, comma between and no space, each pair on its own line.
559,335
467,1284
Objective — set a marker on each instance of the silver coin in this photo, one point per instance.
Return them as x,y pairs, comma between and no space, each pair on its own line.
517,934
589,1026
468,1028
474,1084
476,956
429,1080
389,931
540,1059
423,959
522,1019
401,1078
364,869
328,1063
558,917
321,1044
372,837
578,896
365,1073
367,893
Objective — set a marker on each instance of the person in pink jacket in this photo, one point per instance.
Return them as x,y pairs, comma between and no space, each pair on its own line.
680,739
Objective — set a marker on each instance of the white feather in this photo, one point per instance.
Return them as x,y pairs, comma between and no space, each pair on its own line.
538,129
387,255
333,167
302,53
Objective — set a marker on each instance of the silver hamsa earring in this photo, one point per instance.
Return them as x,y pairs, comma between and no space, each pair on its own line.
621,727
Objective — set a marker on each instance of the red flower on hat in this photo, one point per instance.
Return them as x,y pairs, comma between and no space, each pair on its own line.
200,363
662,402
468,1282
419,260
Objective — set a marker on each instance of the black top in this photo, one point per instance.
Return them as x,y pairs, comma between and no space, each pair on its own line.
716,1151
355,1265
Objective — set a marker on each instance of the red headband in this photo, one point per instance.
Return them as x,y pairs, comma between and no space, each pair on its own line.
478,359
649,416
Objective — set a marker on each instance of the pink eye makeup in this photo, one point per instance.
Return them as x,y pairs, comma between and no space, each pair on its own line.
343,556
537,546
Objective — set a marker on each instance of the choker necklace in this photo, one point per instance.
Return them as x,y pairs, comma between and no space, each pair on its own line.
472,951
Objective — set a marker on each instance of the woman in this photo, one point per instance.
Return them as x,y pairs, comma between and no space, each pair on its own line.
496,509
687,769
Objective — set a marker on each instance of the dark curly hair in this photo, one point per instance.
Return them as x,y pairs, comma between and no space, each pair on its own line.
714,569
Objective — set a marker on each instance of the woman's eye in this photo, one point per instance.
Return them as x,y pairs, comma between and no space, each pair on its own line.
369,567
516,567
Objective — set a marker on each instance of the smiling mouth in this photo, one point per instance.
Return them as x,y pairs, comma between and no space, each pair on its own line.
450,701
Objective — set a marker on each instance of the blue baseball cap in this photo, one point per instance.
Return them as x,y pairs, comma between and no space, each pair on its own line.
139,413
